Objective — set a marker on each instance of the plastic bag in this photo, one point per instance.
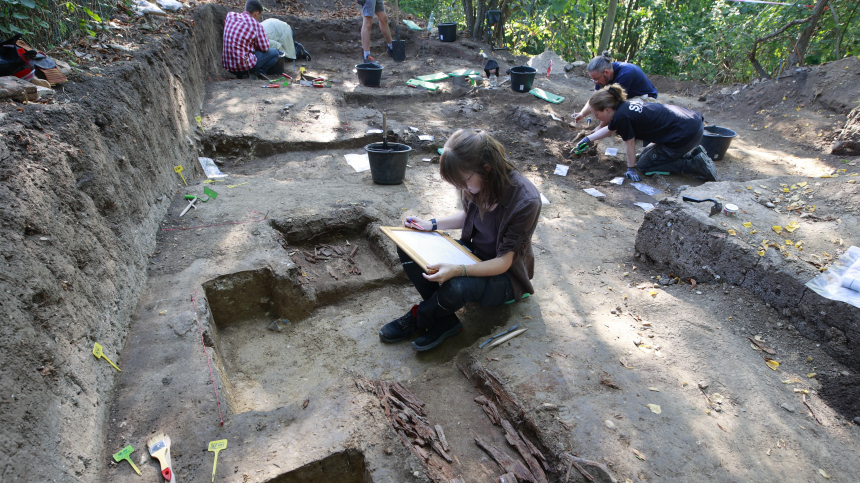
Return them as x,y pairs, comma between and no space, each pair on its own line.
142,7
829,284
170,5
210,169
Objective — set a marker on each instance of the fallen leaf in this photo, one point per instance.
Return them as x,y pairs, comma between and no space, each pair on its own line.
640,455
305,404
809,359
804,391
653,389
761,253
624,363
748,224
789,242
792,226
653,293
753,232
732,233
162,312
811,375
771,363
755,347
824,473
798,244
777,229
654,408
802,184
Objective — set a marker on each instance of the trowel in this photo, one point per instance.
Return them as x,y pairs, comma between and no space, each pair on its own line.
715,209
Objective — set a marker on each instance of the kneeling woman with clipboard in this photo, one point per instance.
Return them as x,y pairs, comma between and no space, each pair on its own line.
501,211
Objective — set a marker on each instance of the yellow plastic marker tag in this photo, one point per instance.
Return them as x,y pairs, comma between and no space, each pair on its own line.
200,123
178,170
99,353
216,446
125,454
302,70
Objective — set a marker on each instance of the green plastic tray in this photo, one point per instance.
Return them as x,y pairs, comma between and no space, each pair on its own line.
464,73
547,96
412,25
420,83
433,77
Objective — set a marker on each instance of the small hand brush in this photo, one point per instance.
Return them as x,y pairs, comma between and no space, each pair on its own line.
159,448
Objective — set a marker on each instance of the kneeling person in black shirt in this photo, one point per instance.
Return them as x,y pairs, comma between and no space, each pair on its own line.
673,132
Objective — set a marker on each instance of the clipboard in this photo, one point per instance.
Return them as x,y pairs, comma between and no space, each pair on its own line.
429,247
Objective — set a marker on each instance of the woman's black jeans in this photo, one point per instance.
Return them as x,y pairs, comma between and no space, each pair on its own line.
442,301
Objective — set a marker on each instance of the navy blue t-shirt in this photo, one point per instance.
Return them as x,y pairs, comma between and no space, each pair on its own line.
632,79
673,126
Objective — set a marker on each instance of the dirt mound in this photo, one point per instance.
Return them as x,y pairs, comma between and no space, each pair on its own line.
666,85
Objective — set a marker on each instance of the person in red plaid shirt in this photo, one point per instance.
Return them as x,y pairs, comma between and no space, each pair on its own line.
246,49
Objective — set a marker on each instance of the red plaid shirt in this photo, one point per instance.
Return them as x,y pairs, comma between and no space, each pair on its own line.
242,36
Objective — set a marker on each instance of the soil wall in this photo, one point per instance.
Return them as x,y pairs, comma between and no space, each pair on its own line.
83,186
679,240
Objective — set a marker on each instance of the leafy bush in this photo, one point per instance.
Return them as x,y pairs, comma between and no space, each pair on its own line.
701,40
45,23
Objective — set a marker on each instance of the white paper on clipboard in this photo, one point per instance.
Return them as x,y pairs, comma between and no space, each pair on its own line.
433,247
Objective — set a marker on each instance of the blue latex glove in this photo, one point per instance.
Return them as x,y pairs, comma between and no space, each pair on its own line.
632,175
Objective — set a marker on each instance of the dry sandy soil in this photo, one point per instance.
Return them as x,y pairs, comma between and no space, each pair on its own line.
642,381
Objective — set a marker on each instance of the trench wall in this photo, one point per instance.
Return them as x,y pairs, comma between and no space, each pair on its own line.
83,186
685,242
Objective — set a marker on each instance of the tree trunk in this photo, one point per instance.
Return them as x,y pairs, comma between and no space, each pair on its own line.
480,10
470,15
609,23
836,29
799,53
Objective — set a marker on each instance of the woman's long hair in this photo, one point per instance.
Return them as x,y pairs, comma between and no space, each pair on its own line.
475,151
609,97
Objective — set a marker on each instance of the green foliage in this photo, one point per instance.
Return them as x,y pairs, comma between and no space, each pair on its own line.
701,40
45,23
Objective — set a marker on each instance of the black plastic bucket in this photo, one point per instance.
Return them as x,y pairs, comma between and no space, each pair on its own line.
717,140
369,74
522,78
447,32
388,166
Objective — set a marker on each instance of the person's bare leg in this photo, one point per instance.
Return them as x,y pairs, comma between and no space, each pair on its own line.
383,25
366,25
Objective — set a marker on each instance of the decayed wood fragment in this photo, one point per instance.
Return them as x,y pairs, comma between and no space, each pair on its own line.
514,439
408,397
421,452
506,462
441,435
586,467
438,448
534,451
490,408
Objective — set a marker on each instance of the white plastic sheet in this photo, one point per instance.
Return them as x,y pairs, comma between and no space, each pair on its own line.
210,169
170,5
830,283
